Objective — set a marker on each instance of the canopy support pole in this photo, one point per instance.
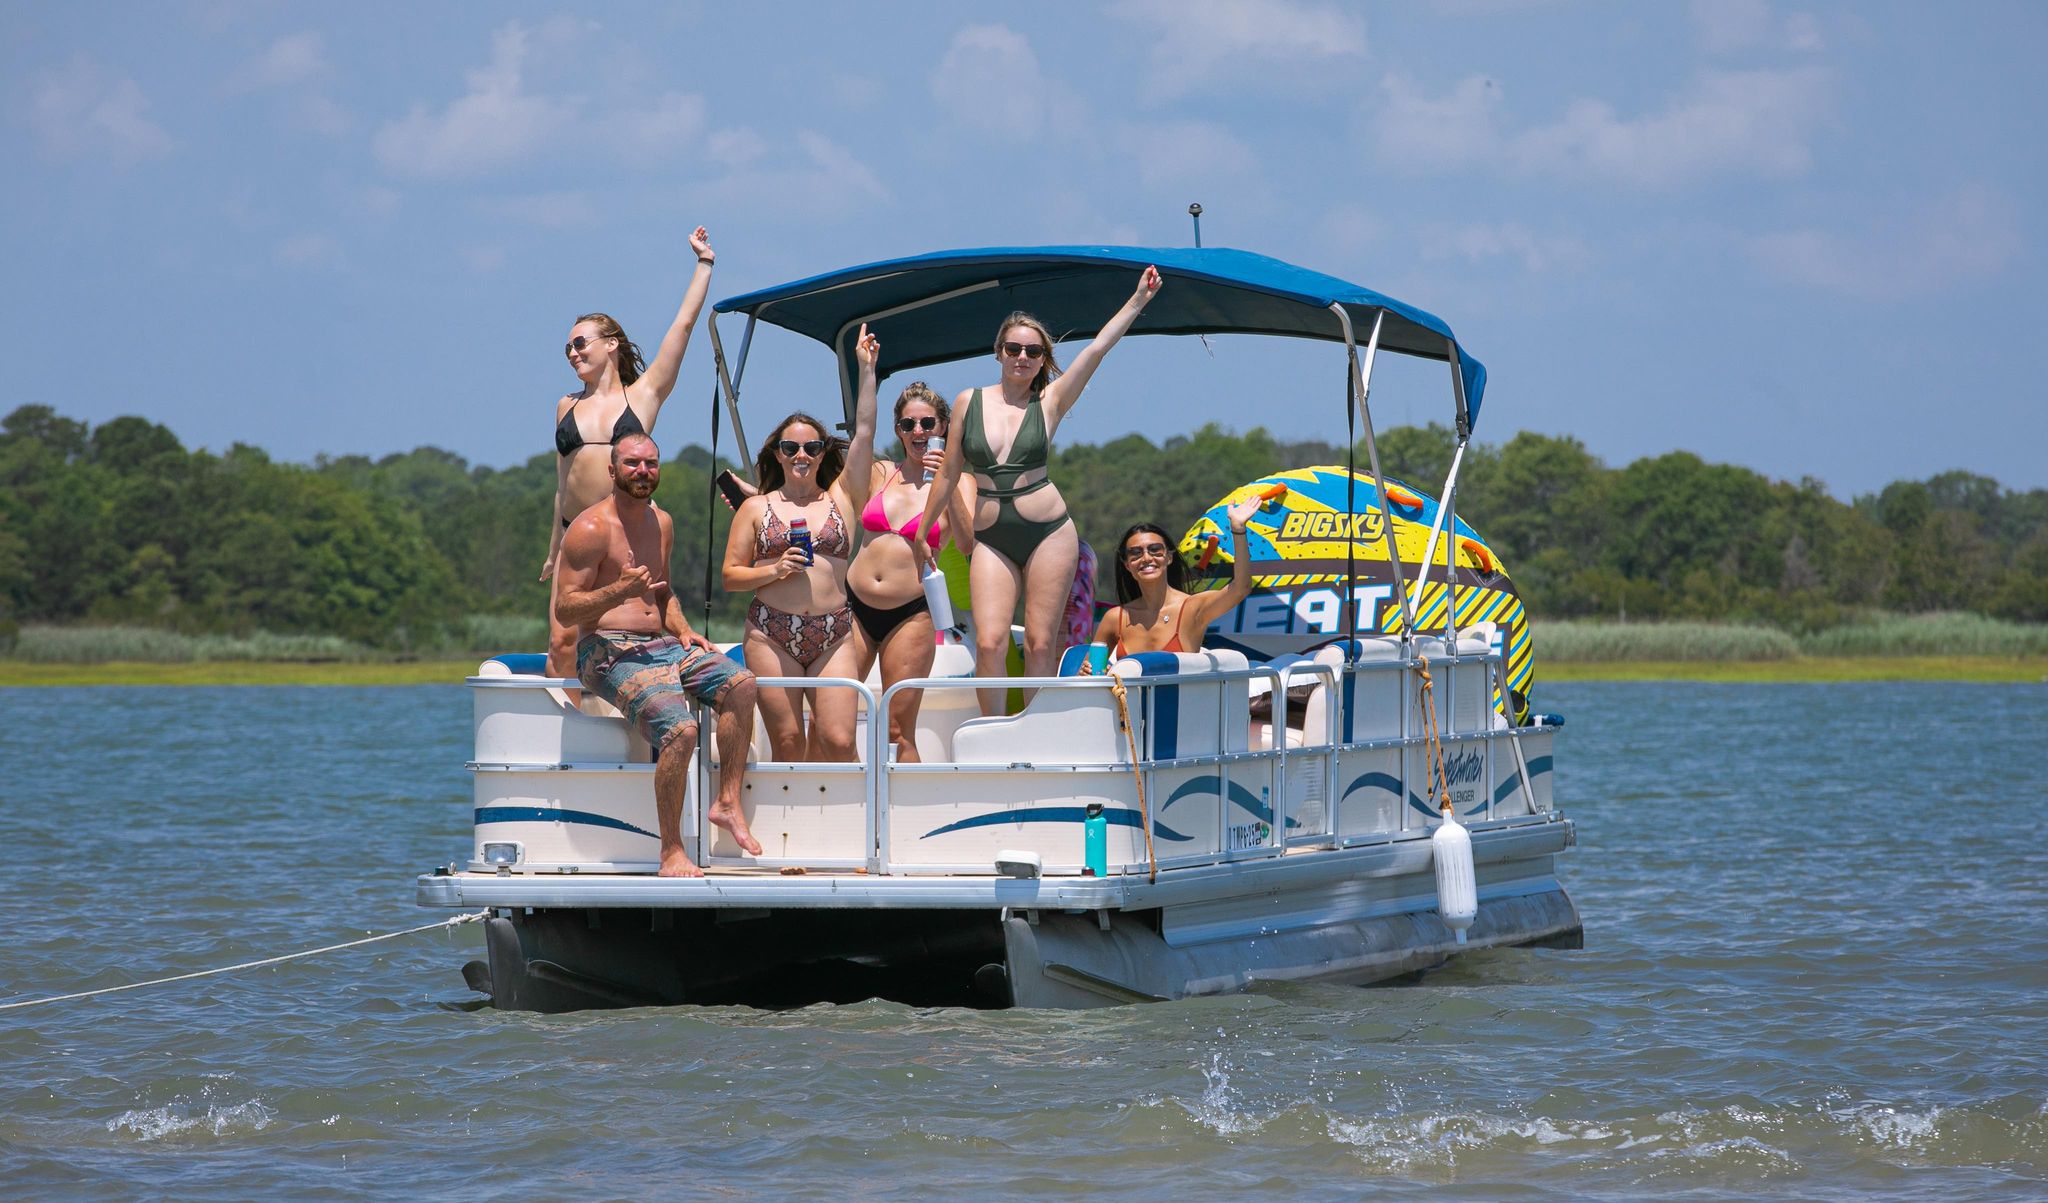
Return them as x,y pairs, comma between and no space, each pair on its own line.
729,382
1446,518
1361,388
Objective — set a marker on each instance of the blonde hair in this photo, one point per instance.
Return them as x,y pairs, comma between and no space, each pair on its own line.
1048,368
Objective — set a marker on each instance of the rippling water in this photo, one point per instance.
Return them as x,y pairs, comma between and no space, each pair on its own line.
1816,966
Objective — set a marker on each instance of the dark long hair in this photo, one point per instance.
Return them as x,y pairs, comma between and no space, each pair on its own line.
1126,584
768,469
627,359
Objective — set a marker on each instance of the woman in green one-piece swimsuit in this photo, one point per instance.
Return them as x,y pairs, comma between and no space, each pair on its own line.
1023,536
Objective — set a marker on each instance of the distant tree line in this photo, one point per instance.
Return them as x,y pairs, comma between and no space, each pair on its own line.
120,523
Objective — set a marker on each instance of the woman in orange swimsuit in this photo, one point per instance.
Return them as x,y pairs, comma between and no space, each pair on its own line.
1158,614
891,619
799,621
620,396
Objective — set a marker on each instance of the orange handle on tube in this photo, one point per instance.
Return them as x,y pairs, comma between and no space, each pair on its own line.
1209,546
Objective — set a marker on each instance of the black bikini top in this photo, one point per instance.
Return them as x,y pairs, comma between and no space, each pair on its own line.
568,437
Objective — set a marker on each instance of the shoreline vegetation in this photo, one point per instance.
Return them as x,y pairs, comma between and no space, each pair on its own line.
1927,647
127,557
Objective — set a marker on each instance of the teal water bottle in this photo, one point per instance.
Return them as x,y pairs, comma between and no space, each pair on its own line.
1095,842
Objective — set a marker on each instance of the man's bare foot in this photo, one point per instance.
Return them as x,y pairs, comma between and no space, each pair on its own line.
730,818
677,863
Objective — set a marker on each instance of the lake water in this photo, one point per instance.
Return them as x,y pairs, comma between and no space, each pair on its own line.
1816,966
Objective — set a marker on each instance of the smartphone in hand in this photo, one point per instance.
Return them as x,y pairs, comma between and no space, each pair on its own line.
729,487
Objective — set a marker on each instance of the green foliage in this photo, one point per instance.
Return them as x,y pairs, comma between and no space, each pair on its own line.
421,552
1580,641
1940,634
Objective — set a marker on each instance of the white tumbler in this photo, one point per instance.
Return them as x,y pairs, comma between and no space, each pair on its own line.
938,599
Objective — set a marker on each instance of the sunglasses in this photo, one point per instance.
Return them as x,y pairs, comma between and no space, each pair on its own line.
1145,551
1027,350
579,342
813,447
906,425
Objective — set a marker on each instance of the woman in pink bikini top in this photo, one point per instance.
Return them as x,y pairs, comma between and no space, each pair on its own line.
891,620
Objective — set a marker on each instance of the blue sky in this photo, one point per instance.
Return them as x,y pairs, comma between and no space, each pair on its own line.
1801,238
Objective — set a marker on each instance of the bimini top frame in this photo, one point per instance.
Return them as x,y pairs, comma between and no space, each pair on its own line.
944,306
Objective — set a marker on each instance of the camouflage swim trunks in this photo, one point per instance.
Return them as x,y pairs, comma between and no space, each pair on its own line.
651,678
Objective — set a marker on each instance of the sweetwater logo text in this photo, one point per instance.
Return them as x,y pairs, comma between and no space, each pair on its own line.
1462,773
1323,527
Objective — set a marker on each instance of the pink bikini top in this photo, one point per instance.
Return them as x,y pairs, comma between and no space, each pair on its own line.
875,518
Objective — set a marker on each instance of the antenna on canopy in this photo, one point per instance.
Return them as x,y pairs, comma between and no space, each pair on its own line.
1195,211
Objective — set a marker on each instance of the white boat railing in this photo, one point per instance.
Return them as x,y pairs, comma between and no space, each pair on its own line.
1216,786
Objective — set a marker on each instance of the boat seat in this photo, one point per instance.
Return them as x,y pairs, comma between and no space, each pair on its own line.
1080,725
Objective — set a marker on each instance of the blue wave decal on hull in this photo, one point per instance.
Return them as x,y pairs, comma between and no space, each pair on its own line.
548,814
1213,787
1116,817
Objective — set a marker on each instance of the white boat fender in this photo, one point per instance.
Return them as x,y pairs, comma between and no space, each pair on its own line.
1457,890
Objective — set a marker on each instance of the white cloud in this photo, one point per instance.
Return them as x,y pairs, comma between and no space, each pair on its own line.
822,178
1728,25
84,110
988,79
483,260
1538,253
661,126
494,124
1189,153
1422,133
1748,122
550,210
1347,228
310,250
1971,233
293,59
1195,41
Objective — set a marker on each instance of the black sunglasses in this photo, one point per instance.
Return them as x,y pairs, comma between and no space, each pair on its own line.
579,342
1144,551
1027,350
812,448
906,425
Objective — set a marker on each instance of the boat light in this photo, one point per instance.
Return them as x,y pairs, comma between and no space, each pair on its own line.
502,854
1011,863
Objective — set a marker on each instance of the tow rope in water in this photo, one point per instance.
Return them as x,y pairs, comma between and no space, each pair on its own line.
457,921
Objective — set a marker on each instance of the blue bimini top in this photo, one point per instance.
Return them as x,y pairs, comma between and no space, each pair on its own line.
942,307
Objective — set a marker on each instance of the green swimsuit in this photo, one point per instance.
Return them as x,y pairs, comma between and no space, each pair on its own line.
1011,535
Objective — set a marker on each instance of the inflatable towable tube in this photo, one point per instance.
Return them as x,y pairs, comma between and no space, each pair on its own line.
1299,541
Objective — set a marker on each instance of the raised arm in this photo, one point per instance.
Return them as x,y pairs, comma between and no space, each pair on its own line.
941,495
1061,394
659,380
1211,605
858,479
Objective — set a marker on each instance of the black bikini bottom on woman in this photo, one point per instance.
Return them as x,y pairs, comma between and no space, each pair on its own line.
879,623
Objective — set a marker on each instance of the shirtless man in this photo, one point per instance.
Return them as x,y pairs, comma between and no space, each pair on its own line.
635,649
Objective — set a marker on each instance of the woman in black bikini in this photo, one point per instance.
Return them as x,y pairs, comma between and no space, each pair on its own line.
1023,534
620,396
799,622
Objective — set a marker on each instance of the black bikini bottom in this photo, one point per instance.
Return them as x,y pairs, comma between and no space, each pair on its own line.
880,623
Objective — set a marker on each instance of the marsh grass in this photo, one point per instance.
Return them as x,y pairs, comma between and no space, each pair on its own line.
1946,634
102,645
1572,641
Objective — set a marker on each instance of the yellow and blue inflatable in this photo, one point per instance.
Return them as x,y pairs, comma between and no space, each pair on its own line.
1299,542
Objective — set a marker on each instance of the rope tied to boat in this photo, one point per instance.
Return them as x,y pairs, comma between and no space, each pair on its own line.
1439,784
456,921
1123,716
